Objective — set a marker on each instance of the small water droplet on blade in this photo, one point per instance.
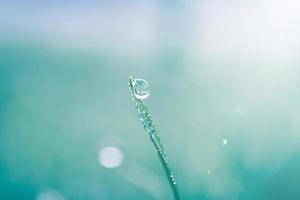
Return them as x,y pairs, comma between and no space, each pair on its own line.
141,88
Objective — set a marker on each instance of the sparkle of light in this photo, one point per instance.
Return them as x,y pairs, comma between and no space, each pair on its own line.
225,141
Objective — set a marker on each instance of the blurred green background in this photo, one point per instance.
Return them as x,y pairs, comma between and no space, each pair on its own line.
224,78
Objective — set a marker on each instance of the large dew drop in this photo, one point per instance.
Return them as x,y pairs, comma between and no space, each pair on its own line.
141,88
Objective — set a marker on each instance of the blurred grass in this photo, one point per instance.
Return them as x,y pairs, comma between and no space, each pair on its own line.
60,105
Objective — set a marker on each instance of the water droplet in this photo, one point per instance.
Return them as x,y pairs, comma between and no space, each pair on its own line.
208,172
141,88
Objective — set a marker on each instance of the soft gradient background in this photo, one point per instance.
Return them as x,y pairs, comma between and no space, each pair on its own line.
218,71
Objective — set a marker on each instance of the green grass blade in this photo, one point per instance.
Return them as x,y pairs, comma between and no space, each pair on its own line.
150,128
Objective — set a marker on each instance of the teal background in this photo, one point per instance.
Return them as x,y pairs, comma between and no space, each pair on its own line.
217,70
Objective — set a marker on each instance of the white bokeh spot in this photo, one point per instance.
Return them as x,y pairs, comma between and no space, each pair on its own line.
110,157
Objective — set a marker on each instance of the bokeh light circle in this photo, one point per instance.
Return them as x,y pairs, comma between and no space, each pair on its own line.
110,157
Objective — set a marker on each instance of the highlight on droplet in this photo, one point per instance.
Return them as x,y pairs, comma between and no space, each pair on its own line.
110,157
